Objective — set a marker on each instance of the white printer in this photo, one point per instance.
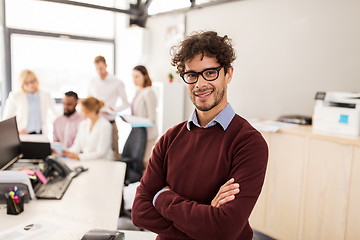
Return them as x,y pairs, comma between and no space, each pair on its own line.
337,112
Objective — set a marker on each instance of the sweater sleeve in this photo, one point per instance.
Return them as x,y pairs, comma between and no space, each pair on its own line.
201,221
143,212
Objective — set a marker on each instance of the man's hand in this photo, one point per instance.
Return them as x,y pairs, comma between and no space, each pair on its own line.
226,193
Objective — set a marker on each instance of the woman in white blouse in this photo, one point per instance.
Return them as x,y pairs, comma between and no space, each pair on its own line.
144,105
93,139
34,109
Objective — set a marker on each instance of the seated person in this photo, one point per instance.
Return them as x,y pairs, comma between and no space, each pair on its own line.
93,139
66,126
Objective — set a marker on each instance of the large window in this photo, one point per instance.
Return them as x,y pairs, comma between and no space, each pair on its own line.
59,43
61,64
60,18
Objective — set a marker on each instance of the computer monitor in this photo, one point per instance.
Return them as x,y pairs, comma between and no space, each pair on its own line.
10,145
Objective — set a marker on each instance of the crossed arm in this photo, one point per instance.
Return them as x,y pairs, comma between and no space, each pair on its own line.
175,217
225,194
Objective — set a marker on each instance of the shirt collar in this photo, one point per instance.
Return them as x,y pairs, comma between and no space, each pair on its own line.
223,118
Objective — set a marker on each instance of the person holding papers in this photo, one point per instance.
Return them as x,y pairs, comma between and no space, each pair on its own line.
144,105
33,107
109,89
93,139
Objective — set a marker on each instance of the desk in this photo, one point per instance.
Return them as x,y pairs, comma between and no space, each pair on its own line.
91,201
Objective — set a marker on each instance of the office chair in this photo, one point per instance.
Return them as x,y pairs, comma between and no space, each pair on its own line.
133,154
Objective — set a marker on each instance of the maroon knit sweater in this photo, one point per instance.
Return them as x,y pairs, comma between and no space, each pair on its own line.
195,164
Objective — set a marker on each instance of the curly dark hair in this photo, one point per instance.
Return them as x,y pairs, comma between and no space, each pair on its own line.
206,43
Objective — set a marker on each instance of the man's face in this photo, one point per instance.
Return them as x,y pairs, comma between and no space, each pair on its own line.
207,95
69,104
101,69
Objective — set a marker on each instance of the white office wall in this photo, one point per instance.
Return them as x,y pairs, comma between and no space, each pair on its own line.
287,51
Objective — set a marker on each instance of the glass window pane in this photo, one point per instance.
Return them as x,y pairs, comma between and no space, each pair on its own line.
60,64
59,18
158,6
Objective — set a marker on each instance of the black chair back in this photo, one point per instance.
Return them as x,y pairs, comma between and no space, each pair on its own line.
133,154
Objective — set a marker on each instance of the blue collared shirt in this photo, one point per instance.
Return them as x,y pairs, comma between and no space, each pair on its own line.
34,114
223,118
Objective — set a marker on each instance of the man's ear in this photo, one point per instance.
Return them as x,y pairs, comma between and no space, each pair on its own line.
229,74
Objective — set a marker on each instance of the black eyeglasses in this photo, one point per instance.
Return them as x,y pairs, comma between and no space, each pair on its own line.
209,74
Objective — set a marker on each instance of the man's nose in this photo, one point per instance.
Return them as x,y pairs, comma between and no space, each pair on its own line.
201,82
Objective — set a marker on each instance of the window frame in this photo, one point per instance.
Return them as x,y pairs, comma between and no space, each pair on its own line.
8,32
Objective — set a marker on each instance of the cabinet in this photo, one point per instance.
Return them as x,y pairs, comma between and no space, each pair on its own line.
312,187
283,200
327,190
353,221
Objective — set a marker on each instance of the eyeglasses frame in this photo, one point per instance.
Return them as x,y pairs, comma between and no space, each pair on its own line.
218,69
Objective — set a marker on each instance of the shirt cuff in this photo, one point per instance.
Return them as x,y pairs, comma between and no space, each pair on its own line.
157,194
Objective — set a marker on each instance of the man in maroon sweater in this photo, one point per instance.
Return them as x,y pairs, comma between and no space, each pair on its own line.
191,187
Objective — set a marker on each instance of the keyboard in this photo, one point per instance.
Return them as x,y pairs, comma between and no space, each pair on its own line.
54,189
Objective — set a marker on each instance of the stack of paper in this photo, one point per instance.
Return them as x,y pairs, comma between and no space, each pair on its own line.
137,121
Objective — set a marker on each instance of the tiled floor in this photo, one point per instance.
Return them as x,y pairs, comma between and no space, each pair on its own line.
260,236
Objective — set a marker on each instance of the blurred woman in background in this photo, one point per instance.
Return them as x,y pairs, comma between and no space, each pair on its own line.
144,105
94,136
34,109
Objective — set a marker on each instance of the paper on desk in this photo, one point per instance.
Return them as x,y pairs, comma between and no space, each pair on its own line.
269,125
137,121
36,229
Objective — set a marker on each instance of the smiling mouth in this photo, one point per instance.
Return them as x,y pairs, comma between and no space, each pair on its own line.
203,94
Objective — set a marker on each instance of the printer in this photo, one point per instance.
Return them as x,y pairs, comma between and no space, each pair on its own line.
337,112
